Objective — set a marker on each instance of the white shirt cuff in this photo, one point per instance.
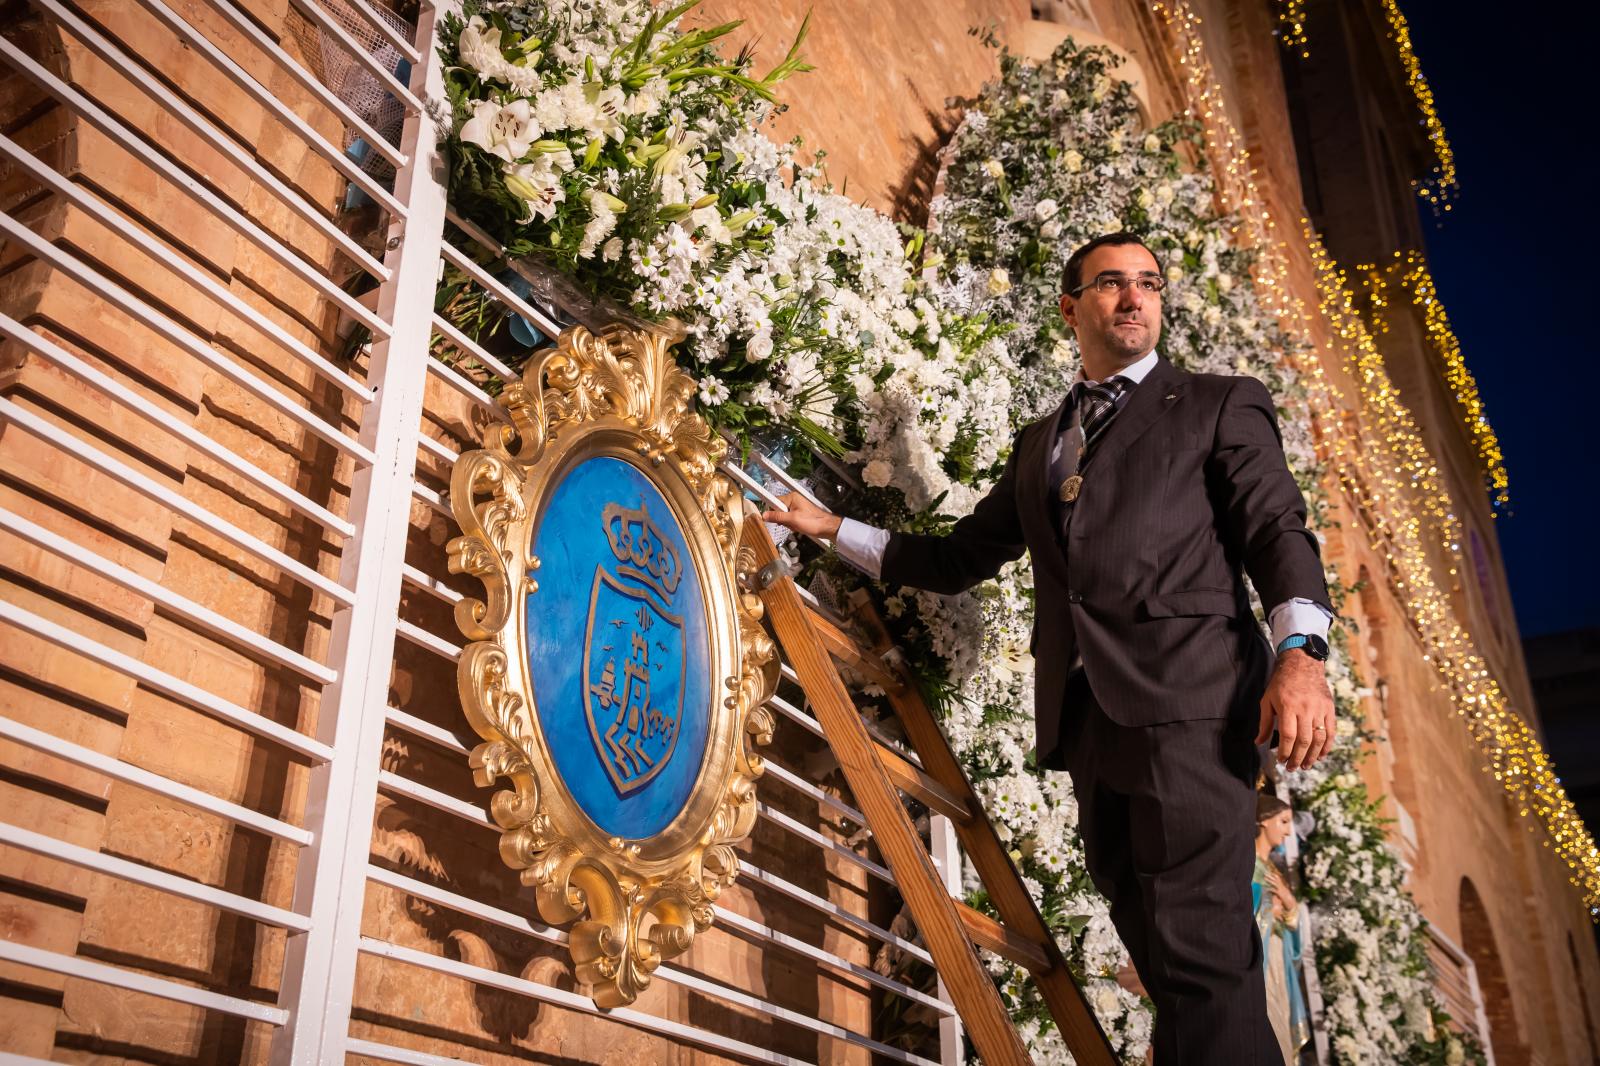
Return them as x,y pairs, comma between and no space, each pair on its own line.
861,546
1298,616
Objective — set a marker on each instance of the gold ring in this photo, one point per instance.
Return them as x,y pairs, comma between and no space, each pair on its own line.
1318,729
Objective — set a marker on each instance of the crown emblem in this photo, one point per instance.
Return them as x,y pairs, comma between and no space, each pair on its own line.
637,542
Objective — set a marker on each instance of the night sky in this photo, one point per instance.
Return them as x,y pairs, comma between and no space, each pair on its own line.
1517,263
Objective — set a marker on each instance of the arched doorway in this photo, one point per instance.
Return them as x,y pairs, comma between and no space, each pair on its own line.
1478,941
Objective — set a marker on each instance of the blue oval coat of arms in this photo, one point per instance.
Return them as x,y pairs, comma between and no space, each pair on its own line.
618,648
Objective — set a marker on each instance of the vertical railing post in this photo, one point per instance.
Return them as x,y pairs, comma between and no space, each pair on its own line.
947,859
320,965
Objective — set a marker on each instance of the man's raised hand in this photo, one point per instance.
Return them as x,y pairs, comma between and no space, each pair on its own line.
803,516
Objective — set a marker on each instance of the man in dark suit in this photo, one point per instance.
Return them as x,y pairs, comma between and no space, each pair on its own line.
1142,500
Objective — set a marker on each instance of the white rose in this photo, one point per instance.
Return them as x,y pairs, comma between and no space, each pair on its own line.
758,347
1152,143
994,169
1072,160
1050,230
612,250
999,282
1224,282
877,473
1106,1004
1164,193
1193,238
507,131
1114,142
1061,351
1174,273
1143,198
1045,210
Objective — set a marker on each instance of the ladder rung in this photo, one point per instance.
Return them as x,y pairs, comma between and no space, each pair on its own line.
918,784
844,647
1007,943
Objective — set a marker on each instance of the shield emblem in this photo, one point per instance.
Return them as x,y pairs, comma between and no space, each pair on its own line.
633,662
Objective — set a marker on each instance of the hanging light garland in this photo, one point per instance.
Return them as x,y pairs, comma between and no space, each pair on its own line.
1384,465
1409,273
1440,187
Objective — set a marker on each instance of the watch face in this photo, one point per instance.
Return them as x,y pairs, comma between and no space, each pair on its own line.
1316,647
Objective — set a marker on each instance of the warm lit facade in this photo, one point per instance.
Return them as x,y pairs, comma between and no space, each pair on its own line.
1336,141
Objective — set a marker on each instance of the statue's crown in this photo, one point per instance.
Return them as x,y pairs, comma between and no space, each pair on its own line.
636,541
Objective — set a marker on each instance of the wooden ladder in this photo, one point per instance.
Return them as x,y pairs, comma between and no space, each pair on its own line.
874,771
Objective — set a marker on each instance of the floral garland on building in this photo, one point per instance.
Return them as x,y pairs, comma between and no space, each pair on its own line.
608,143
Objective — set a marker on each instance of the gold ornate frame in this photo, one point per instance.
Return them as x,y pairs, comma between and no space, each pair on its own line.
634,902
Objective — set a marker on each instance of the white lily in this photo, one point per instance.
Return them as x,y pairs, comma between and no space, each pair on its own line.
506,131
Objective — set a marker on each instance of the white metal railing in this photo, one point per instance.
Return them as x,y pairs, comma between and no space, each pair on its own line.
387,612
1455,979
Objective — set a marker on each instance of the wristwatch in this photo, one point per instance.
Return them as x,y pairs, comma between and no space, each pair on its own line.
1309,643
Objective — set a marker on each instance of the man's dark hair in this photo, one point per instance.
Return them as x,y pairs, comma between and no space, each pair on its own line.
1070,278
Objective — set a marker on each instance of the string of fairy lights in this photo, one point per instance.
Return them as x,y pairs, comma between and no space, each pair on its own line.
1440,186
1410,275
1384,465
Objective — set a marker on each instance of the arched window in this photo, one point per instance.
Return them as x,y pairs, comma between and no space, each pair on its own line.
1478,941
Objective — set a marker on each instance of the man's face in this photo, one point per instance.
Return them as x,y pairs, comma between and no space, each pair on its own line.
1123,323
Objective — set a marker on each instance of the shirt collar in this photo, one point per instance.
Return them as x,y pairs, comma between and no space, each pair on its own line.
1135,372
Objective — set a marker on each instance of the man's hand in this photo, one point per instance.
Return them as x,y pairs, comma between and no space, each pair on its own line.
803,516
1298,699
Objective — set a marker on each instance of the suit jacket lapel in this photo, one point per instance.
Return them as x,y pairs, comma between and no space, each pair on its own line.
1163,387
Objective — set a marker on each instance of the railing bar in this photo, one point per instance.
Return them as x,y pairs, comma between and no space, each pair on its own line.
129,141
472,813
432,499
388,32
783,475
163,682
732,919
817,903
437,449
311,83
186,608
102,286
429,584
178,108
423,639
805,832
494,247
457,381
313,11
796,715
133,980
800,784
467,346
432,797
751,927
173,885
98,379
150,781
427,731
92,205
720,1044
151,489
265,97
455,257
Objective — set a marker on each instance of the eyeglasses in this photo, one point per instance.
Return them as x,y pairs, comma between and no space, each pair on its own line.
1106,284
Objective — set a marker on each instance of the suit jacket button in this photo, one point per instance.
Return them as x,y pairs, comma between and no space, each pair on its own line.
1074,596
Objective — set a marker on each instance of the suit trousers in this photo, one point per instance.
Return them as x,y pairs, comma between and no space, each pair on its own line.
1167,817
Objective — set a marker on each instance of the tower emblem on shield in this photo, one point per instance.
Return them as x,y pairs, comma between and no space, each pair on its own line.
633,657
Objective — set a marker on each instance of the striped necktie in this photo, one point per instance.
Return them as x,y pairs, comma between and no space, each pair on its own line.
1097,402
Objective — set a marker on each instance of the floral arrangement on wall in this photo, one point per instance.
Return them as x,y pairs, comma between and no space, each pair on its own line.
610,143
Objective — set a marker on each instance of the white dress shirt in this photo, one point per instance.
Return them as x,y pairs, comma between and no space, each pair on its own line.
862,546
